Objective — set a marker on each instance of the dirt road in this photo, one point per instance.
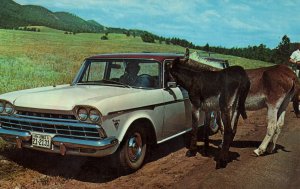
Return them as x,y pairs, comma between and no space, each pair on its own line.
168,167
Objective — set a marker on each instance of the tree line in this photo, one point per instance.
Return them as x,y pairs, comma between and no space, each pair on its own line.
33,29
278,55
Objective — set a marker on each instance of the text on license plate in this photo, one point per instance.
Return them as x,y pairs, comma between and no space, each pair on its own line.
41,140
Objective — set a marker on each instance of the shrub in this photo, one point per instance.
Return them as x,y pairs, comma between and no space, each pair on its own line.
148,38
104,37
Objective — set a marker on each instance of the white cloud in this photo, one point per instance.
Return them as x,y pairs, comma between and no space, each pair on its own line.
240,7
209,15
236,23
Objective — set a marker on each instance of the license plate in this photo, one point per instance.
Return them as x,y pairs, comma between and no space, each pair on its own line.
41,140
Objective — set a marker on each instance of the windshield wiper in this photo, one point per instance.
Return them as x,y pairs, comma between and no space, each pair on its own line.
105,81
115,82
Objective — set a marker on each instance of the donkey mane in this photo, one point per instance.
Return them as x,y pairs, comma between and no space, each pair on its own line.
194,66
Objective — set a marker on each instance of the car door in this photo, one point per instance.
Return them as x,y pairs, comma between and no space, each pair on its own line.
177,110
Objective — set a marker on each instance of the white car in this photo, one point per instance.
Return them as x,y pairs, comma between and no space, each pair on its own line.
101,113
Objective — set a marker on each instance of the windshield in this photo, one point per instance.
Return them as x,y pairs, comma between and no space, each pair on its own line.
122,73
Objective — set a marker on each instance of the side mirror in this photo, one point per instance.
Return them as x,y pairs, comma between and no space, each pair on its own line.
171,84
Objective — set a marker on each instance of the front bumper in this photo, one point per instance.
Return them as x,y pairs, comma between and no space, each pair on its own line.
63,145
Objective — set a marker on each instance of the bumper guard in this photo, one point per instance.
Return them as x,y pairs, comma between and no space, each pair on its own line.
63,145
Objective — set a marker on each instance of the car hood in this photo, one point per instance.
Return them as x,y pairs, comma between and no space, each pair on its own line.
65,97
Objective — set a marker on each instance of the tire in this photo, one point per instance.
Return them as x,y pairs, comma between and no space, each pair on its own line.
213,125
132,152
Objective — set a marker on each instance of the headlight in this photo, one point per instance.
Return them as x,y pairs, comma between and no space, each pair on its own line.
82,114
1,107
94,115
9,109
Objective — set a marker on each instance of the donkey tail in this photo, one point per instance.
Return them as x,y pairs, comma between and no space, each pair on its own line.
296,105
242,98
289,96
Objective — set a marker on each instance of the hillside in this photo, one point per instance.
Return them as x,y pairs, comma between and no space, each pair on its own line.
13,15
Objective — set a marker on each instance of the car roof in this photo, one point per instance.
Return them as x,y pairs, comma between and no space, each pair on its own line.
154,56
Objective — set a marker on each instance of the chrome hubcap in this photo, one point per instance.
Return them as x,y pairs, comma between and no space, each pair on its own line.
135,144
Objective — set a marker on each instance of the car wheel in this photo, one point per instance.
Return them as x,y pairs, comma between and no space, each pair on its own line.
213,125
133,150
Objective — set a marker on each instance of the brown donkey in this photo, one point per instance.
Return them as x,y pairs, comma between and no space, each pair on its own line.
223,91
272,88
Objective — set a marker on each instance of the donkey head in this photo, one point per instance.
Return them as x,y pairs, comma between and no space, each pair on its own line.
169,70
178,61
174,67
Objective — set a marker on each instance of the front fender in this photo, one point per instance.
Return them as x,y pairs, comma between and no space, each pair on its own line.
117,125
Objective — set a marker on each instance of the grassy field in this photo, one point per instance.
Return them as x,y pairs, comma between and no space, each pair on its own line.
33,59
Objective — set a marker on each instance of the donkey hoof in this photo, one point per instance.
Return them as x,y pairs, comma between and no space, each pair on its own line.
270,148
191,153
257,152
221,164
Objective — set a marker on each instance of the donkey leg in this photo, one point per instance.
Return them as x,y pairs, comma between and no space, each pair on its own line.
206,132
192,151
229,133
280,124
221,125
234,113
227,136
272,124
234,122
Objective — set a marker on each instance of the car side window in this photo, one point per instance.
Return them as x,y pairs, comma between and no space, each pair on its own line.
150,71
136,73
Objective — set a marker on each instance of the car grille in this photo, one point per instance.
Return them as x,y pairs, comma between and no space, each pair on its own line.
59,127
45,115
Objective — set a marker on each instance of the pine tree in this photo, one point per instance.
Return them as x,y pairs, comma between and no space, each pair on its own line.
206,47
282,51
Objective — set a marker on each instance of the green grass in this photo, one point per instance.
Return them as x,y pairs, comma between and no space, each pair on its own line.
33,59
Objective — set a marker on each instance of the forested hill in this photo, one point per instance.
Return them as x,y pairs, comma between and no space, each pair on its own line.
14,15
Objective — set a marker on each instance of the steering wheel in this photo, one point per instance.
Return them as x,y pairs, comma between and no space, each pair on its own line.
145,75
144,80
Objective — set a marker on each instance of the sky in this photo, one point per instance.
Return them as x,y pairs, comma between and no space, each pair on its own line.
226,23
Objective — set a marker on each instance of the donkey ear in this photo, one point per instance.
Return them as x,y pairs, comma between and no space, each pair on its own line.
187,54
